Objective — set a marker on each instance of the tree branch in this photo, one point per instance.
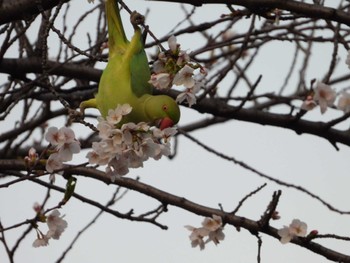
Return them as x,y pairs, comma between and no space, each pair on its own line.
22,66
170,199
23,9
256,6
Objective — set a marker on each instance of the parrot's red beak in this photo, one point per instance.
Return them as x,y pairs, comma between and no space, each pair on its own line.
165,123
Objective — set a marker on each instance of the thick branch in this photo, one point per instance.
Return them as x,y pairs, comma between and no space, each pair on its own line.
256,6
23,9
321,129
22,66
220,109
167,198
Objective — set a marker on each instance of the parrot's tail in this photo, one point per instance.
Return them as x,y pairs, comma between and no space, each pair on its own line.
117,40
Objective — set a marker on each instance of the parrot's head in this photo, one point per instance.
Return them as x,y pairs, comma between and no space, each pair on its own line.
163,111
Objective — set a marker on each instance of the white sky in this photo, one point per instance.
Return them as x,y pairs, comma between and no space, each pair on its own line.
204,178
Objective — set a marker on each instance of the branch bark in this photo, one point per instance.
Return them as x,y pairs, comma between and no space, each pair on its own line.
22,66
23,9
170,199
304,9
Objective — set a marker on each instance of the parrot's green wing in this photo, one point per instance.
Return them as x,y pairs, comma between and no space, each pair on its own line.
125,79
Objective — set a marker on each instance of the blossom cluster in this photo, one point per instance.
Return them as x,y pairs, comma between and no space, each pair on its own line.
55,223
128,146
296,228
211,230
324,96
174,67
65,145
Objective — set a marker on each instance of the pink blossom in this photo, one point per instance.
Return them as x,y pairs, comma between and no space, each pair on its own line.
324,96
161,80
53,163
184,77
296,228
344,102
56,225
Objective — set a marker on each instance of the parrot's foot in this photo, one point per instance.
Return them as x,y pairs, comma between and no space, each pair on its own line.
91,103
75,116
136,19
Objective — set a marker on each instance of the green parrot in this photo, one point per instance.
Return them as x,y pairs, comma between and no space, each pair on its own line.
125,79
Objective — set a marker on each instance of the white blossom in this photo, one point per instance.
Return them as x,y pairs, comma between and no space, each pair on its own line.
184,77
197,235
308,104
183,58
159,66
67,150
56,225
41,241
53,163
32,156
285,234
211,230
115,116
186,96
212,224
161,80
296,228
65,145
324,96
216,236
344,102
58,137
189,94
128,146
172,43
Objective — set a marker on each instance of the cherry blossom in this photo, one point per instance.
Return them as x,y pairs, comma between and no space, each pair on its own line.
67,150
212,224
296,228
189,95
197,235
172,43
216,236
324,96
56,225
65,145
184,77
161,80
58,137
308,104
32,156
53,163
211,230
128,146
344,102
41,241
37,207
174,67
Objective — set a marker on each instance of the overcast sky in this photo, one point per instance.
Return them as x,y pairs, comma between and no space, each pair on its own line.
201,177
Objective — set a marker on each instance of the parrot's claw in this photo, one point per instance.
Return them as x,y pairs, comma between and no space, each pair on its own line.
136,19
75,116
91,103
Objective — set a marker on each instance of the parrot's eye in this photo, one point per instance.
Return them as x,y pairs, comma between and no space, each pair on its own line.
165,107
